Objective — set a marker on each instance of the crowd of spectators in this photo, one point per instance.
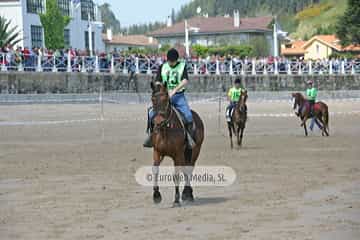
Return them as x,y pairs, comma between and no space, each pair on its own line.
27,59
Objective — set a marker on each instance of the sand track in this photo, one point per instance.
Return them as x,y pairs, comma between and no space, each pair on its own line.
74,180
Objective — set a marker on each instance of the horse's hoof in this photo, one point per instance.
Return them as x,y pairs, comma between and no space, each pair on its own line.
189,198
176,205
157,197
187,195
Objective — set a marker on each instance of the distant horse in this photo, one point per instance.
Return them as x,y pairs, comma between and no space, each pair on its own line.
169,139
303,111
238,120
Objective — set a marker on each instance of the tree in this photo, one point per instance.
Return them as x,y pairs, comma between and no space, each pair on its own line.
348,26
109,18
8,36
54,24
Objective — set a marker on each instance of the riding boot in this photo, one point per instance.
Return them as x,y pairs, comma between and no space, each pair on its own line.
228,113
148,141
190,135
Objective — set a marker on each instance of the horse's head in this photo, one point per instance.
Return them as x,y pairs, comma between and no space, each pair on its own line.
242,100
161,102
298,101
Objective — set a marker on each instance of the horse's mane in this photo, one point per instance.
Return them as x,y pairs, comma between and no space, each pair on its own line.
298,94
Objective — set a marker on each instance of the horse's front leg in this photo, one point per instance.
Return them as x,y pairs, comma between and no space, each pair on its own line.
305,128
241,135
177,184
238,128
157,160
303,120
187,194
230,135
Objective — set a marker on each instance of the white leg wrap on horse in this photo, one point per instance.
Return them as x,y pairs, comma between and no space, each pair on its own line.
155,170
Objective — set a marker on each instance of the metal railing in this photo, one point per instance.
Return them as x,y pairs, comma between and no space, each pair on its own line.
114,64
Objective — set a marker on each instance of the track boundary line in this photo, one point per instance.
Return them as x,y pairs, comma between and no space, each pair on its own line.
208,116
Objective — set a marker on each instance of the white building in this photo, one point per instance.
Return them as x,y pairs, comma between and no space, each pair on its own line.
24,14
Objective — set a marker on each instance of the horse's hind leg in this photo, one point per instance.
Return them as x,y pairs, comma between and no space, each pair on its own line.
322,127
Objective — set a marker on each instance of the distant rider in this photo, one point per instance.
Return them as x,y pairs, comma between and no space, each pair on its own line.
311,95
174,73
233,97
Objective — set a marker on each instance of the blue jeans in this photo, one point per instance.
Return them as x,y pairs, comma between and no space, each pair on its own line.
180,103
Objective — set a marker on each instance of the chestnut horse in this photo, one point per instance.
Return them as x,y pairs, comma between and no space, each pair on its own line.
238,120
303,111
169,139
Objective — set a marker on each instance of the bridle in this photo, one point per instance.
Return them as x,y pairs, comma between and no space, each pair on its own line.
165,112
298,103
242,102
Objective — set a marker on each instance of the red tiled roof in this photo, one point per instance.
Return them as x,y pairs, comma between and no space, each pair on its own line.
299,47
134,40
352,48
216,25
329,40
295,49
333,42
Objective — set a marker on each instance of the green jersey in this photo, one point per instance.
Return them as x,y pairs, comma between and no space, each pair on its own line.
311,94
235,93
172,75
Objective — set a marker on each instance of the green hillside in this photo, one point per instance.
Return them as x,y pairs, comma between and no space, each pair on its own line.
301,18
318,19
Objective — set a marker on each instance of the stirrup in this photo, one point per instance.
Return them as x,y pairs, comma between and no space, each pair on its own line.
148,142
190,141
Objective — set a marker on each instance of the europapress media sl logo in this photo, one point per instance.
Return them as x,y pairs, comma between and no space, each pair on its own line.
220,176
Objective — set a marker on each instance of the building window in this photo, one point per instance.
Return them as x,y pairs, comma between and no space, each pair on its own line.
64,6
35,6
87,40
36,36
317,48
87,7
67,38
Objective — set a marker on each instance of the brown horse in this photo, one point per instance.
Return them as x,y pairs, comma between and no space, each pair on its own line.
303,111
238,120
169,139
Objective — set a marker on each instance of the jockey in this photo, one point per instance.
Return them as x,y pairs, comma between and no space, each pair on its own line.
174,73
233,97
311,95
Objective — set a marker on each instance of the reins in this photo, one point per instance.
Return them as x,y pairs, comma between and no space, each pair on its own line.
167,113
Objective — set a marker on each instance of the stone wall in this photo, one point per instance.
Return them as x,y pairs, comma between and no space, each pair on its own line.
32,82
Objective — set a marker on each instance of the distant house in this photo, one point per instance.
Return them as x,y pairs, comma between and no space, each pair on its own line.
128,42
210,31
25,15
318,47
293,49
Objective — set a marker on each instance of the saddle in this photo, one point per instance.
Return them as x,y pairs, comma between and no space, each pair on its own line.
188,135
230,112
182,120
307,106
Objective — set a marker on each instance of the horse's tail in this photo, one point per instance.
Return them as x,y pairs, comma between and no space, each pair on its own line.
326,116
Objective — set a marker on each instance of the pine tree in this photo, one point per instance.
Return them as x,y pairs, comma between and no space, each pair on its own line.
348,26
